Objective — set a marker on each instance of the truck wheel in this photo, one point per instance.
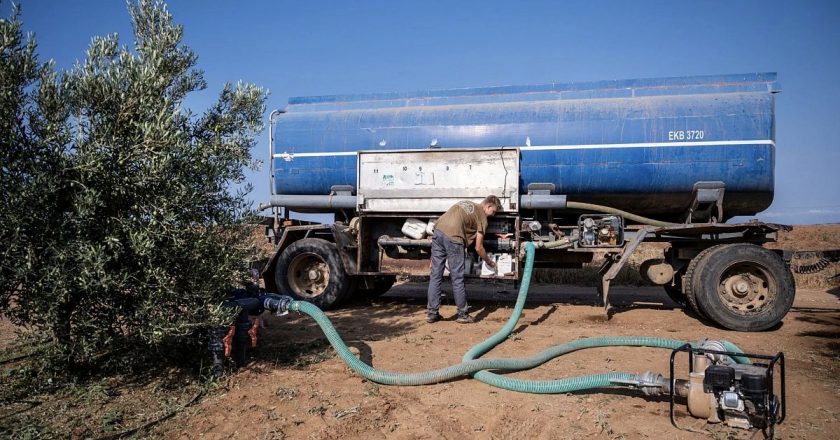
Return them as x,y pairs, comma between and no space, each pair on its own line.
742,287
690,296
311,270
381,284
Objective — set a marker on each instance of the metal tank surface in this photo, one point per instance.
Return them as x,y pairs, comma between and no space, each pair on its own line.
638,145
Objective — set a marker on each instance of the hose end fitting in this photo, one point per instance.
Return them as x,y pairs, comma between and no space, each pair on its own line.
279,304
714,345
650,383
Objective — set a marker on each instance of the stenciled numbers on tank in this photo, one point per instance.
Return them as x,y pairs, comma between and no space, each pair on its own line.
686,135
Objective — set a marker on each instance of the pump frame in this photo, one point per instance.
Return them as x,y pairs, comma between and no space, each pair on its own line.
770,408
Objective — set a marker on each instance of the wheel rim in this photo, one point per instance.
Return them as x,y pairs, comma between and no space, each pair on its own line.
308,275
746,288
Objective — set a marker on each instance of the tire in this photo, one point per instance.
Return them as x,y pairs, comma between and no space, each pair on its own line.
690,296
742,287
381,284
311,270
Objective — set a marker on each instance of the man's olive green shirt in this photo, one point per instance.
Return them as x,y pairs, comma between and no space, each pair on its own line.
462,221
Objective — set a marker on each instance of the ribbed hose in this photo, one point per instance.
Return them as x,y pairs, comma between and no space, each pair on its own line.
488,344
392,378
478,367
730,347
599,380
562,385
610,210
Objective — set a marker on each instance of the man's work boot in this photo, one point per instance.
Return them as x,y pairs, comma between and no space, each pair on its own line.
431,319
465,319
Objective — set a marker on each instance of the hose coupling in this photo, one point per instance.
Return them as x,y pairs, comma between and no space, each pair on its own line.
714,345
561,243
279,304
651,384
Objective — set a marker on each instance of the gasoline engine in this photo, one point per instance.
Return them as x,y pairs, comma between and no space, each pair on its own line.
599,230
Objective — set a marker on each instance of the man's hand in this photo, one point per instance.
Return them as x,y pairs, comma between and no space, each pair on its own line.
479,248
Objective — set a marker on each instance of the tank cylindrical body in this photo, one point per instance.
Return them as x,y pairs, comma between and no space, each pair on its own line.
637,145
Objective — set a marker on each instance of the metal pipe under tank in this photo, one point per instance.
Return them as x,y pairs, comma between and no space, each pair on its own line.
311,202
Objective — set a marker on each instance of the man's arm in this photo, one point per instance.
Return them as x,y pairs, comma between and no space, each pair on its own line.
479,247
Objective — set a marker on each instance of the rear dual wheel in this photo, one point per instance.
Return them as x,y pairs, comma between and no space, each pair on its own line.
740,286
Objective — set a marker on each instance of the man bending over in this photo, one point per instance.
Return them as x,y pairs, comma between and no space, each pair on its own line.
461,226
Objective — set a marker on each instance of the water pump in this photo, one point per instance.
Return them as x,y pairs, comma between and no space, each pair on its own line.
722,386
742,395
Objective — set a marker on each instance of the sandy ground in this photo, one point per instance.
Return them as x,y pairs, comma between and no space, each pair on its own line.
324,399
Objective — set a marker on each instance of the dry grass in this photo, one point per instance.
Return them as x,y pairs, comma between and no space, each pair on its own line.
813,238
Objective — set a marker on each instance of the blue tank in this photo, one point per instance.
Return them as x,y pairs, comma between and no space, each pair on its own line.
638,145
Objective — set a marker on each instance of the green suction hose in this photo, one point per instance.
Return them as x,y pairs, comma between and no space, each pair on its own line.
562,385
479,367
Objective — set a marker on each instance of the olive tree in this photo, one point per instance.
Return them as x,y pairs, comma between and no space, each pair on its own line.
122,214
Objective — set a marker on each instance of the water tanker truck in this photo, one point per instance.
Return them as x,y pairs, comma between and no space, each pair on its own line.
582,170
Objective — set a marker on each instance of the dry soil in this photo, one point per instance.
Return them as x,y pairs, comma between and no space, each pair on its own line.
322,399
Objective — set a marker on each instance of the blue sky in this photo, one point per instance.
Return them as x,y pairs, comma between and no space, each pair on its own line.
316,48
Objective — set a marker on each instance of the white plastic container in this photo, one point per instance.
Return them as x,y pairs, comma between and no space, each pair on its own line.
414,228
504,264
430,227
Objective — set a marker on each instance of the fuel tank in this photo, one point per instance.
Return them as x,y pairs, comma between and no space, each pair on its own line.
638,145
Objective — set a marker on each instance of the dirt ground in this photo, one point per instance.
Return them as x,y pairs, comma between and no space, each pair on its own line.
323,399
